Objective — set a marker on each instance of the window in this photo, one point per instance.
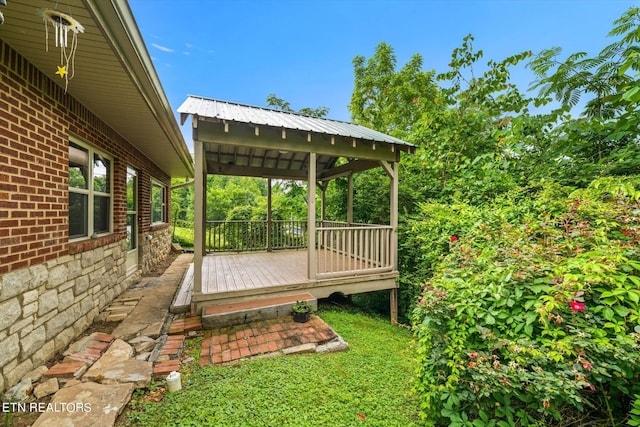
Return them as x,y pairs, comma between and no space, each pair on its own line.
90,191
158,202
132,209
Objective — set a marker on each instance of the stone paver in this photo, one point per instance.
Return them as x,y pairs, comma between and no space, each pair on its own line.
148,316
143,344
120,308
186,324
86,404
66,370
97,340
165,368
117,366
46,388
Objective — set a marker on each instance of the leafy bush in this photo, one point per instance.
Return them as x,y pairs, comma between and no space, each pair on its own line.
183,236
531,316
634,419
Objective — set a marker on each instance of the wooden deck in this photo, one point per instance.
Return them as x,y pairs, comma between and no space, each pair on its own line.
232,272
231,278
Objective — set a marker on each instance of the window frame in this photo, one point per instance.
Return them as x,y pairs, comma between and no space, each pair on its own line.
155,183
90,192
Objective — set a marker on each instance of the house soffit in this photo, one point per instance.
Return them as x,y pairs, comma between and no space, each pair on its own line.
113,73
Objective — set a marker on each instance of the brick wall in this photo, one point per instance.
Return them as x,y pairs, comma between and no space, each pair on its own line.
36,120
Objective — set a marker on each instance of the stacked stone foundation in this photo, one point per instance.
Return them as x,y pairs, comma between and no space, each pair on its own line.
44,307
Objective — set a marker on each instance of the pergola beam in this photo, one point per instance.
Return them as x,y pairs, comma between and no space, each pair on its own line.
244,135
264,172
350,168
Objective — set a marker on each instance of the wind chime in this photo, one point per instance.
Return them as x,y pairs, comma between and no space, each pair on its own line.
63,23
2,3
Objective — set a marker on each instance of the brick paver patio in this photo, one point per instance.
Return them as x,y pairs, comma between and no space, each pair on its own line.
224,345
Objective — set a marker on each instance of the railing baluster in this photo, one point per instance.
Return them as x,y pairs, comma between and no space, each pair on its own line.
341,249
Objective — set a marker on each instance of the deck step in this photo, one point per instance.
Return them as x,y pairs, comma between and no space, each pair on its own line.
238,313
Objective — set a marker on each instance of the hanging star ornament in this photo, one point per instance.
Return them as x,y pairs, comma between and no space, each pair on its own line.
62,71
62,24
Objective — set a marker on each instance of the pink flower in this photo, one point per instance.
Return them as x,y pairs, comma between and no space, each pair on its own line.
453,238
473,355
586,365
577,306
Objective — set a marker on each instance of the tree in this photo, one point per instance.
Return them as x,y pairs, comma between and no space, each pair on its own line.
604,138
387,100
280,104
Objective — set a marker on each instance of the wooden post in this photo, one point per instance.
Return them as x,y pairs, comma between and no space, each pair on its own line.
311,218
350,199
269,249
323,201
393,302
198,202
392,170
394,238
204,211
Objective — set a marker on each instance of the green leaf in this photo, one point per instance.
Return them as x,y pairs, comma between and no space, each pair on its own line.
634,279
607,313
621,310
632,95
528,329
489,319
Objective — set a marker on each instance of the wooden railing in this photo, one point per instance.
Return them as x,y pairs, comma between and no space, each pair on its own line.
342,249
347,250
244,236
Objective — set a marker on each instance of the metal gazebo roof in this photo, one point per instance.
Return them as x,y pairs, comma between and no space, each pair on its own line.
255,141
224,110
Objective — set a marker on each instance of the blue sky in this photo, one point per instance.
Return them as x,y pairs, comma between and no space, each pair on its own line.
302,51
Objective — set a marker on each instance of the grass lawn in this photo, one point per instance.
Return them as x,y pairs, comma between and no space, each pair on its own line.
368,385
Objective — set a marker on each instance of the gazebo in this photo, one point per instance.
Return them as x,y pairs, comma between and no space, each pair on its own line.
243,140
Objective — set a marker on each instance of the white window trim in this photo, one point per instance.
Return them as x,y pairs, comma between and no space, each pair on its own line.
91,192
158,183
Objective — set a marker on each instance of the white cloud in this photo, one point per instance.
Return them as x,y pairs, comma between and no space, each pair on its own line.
162,48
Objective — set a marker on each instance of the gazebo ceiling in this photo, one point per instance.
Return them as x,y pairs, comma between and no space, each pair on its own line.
252,141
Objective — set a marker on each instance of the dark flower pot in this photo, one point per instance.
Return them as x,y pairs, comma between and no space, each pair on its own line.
301,317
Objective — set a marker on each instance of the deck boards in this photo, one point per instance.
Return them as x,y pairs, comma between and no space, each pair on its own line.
233,272
228,275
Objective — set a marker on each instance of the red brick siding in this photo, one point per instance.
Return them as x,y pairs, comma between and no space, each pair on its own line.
36,120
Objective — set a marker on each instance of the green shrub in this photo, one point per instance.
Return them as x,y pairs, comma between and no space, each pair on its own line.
634,419
183,236
531,316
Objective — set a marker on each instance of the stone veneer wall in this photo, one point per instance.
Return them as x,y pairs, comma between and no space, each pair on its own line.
47,305
153,252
